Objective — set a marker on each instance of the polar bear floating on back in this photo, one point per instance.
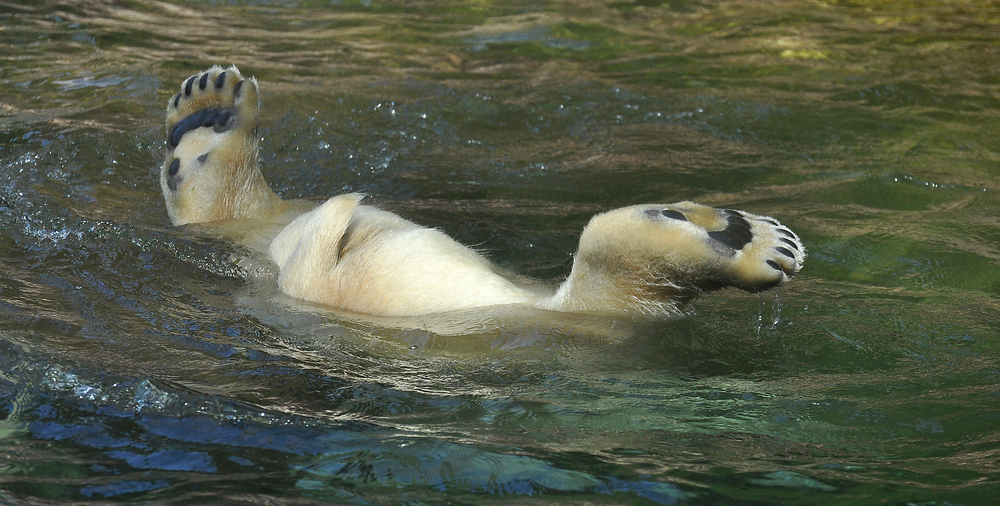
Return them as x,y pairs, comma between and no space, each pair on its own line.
645,259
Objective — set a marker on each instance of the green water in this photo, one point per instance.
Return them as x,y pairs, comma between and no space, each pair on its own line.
138,364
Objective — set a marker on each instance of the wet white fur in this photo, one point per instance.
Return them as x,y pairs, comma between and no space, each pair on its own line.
367,260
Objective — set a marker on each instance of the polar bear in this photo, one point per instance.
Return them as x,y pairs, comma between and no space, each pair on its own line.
641,260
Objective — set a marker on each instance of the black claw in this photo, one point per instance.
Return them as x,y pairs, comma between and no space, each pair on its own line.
784,251
790,243
174,167
772,222
676,215
202,158
220,81
790,272
177,100
785,232
187,86
237,89
203,82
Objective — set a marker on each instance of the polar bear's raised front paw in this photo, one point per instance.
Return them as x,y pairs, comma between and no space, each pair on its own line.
217,98
211,171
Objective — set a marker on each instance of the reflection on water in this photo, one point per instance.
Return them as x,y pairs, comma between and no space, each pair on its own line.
138,362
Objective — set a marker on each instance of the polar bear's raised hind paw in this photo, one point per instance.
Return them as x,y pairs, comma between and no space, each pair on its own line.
763,253
745,250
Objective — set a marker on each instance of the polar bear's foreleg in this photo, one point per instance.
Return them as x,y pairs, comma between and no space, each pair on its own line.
211,170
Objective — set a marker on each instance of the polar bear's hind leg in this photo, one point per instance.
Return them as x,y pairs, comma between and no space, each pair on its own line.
652,258
751,252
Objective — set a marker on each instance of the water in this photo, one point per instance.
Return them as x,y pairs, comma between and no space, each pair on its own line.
139,364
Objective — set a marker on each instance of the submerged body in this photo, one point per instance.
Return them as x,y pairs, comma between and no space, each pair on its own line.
644,259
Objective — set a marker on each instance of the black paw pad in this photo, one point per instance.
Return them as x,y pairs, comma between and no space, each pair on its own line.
216,117
666,213
736,219
737,234
221,122
675,215
173,180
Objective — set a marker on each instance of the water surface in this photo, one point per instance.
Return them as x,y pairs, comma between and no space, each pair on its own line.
138,363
